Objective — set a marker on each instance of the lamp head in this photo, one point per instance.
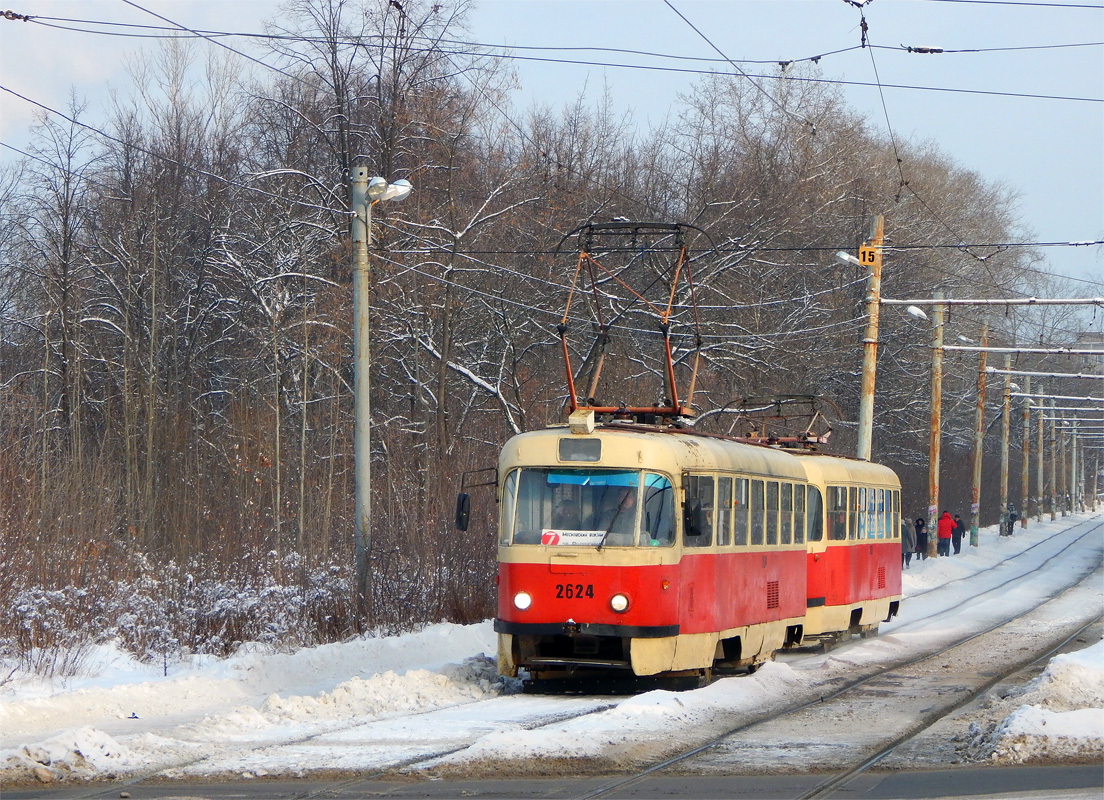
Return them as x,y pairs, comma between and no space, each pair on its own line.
847,258
916,311
380,189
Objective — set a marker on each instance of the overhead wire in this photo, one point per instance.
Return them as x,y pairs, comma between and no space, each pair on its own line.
216,42
169,159
484,51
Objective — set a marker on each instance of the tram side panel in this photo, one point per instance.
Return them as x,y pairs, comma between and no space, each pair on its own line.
853,561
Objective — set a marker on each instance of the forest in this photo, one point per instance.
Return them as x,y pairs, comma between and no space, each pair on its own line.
176,407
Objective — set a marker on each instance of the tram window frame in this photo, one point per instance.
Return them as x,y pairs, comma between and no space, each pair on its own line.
881,511
693,484
896,514
757,512
772,513
799,521
837,513
725,509
852,513
814,514
863,516
508,508
785,513
741,497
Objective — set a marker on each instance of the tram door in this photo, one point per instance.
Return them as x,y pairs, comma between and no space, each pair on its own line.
818,569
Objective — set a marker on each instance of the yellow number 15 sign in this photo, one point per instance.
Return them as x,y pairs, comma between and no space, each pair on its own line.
870,255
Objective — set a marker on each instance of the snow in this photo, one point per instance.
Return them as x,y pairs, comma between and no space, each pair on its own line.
1063,714
378,702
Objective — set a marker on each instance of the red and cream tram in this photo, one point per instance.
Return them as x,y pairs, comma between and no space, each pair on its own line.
631,544
640,550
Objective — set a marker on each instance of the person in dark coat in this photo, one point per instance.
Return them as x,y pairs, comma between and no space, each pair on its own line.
908,543
957,534
943,529
921,538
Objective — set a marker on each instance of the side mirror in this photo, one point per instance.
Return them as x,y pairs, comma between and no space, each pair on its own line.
463,511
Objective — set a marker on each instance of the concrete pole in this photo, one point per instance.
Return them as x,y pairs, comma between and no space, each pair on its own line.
1040,483
1053,467
934,426
1075,477
361,229
1063,468
1006,426
871,255
979,420
1025,461
1095,488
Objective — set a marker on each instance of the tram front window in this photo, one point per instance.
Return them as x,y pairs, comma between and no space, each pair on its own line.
584,507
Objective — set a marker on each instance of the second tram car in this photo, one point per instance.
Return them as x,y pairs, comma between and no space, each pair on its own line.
637,550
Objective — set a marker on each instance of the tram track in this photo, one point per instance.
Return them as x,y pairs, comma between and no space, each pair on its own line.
843,779
747,731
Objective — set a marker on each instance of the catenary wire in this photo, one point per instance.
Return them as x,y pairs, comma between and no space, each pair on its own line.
168,159
213,35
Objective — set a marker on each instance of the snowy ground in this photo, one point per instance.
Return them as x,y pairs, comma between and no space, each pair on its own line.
381,702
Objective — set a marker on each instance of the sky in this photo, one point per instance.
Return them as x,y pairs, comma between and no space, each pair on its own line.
369,703
1050,151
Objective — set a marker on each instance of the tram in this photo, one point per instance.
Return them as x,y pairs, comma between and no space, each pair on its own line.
632,545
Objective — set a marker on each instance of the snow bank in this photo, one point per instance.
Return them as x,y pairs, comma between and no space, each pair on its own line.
1063,717
129,719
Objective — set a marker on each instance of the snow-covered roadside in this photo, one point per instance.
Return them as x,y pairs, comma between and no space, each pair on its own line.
1061,713
126,719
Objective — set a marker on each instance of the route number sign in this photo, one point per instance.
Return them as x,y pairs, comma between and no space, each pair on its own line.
870,256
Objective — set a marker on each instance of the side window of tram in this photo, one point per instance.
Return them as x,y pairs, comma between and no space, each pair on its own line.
772,512
853,515
741,503
506,522
864,517
698,511
814,527
725,502
785,514
837,513
799,514
758,515
659,512
882,526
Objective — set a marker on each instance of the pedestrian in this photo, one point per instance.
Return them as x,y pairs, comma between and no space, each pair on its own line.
908,543
921,538
1012,517
943,530
957,534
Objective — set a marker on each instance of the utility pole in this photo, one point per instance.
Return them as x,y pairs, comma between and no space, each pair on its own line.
870,255
1075,478
365,193
361,228
1063,468
934,425
1095,488
979,429
1025,463
1053,468
1006,425
1041,459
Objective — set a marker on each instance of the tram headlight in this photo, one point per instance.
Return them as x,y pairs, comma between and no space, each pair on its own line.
619,603
522,601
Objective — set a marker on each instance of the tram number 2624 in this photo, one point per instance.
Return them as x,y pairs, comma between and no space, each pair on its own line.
573,590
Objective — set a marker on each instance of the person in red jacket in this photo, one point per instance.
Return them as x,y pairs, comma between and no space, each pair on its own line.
944,530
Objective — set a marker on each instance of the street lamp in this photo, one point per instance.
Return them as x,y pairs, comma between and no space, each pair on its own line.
365,193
